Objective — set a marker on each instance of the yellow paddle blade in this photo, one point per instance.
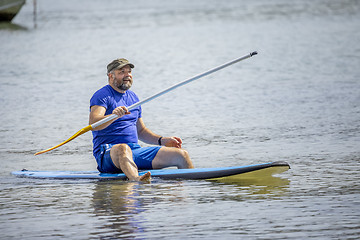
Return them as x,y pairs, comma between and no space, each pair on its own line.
80,132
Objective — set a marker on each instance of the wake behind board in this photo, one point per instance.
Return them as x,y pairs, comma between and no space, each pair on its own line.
267,169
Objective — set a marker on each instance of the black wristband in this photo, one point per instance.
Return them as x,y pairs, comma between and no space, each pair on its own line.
159,141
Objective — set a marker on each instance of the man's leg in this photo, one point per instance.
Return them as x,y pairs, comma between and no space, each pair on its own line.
121,155
172,157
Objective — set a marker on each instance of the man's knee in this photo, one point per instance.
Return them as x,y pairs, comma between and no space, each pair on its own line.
184,154
120,151
185,159
121,154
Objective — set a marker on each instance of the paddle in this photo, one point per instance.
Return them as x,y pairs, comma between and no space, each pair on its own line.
113,116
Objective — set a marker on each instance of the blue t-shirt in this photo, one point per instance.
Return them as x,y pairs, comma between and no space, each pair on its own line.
122,130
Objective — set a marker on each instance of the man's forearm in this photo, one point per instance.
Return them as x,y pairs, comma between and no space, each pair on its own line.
148,136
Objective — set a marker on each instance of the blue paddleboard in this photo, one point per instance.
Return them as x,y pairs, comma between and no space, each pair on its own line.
191,174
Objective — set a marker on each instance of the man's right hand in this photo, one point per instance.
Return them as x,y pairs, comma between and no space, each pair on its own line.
121,111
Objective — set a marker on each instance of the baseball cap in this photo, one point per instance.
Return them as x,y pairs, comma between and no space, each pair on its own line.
118,63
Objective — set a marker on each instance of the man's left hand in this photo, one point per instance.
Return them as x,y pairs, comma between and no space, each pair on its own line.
171,142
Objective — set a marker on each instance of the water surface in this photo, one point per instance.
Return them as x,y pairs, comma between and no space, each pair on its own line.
297,101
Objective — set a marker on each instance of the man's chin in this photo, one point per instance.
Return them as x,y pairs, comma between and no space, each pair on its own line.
125,87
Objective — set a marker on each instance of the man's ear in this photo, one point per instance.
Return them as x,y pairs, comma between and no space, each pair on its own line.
110,76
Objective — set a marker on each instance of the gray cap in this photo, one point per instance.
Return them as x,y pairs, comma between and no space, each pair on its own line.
118,63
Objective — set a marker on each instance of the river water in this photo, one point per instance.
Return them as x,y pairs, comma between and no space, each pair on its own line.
296,101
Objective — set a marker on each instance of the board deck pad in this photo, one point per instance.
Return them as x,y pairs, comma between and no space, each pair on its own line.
190,174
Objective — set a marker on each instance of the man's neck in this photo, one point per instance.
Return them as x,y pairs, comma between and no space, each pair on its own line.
117,89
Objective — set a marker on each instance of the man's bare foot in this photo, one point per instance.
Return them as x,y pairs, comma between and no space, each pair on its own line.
146,177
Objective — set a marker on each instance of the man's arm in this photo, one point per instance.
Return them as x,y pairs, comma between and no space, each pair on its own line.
147,136
97,113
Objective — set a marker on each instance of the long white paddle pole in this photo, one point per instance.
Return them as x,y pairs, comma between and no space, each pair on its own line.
113,116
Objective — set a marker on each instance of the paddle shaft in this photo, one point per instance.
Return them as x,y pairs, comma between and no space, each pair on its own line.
113,116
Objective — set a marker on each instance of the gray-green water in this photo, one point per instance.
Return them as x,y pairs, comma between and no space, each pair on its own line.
297,101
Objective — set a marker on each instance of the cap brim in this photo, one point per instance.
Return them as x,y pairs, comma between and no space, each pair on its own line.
123,65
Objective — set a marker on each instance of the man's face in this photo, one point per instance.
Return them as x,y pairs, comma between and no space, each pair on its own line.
122,78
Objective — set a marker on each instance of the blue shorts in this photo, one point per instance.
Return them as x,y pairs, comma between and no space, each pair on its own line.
142,156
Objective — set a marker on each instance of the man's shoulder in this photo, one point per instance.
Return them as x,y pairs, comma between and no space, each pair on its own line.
104,89
101,96
103,92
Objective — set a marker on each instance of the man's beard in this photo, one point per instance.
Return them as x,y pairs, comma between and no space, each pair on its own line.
124,85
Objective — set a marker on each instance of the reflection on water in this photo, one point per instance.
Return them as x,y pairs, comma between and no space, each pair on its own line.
269,182
123,207
117,202
11,26
260,182
268,187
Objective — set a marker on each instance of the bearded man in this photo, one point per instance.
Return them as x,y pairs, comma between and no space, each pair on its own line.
115,144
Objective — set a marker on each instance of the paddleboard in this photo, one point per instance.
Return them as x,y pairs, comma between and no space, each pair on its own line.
190,174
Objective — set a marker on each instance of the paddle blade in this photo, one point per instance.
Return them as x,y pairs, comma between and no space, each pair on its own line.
80,132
